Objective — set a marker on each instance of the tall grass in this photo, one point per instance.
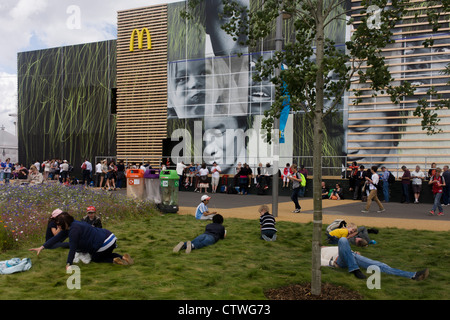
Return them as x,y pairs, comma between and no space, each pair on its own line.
25,210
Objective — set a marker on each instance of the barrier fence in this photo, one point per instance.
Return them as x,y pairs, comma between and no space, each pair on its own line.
332,166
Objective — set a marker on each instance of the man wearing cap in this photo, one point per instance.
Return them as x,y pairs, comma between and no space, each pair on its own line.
92,218
202,212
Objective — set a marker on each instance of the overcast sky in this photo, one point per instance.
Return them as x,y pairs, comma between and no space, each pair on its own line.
28,25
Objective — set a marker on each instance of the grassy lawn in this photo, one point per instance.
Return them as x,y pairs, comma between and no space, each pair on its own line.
240,267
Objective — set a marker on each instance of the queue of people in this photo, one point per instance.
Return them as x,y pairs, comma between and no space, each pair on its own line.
412,185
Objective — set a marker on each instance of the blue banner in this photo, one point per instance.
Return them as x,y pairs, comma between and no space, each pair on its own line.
285,111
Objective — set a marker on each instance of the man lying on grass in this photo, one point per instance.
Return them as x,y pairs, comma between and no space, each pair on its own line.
343,257
213,233
99,243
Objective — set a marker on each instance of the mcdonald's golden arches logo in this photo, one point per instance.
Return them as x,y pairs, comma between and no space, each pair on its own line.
140,35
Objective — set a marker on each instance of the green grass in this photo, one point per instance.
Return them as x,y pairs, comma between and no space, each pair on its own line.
240,267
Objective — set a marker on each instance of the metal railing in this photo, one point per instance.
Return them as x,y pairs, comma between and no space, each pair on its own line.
333,166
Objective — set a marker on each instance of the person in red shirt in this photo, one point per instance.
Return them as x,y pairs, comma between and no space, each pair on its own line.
438,183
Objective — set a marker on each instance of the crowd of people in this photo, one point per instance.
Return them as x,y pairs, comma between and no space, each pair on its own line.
106,175
89,241
366,184
240,183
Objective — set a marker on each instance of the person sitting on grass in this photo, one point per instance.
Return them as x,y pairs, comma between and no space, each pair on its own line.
92,218
202,212
99,243
325,191
342,256
267,224
345,232
213,233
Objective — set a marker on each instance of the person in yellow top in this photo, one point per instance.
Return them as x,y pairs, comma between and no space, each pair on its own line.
346,232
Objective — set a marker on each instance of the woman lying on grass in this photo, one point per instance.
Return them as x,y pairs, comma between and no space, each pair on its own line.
99,243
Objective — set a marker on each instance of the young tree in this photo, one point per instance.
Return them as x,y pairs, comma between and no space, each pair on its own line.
316,70
437,15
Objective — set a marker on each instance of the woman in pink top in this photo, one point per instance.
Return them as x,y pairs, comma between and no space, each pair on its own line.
437,182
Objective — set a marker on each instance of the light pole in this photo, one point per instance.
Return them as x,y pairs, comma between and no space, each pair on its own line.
276,124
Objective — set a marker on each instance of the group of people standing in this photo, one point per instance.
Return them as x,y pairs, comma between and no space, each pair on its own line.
367,183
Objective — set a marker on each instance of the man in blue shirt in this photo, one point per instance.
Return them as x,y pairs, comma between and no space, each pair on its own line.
385,178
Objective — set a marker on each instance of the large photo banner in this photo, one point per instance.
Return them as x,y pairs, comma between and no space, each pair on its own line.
215,107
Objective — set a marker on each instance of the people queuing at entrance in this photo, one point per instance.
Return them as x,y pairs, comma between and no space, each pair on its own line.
209,178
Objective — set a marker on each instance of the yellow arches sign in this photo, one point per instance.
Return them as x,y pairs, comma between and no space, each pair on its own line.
140,35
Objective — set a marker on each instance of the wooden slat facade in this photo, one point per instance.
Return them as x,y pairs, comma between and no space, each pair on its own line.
378,128
142,85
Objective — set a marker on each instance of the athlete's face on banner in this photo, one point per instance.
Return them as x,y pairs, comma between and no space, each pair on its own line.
222,42
187,95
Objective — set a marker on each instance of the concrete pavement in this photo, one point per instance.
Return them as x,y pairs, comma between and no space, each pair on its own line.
397,215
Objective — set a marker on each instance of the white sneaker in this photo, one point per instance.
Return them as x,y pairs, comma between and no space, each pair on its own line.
85,257
188,247
178,247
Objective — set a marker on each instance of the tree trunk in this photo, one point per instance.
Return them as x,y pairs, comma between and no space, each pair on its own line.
316,276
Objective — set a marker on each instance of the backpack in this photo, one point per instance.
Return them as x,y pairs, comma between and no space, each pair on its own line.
391,178
336,224
303,182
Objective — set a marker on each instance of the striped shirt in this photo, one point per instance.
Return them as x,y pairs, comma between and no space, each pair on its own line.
201,209
267,222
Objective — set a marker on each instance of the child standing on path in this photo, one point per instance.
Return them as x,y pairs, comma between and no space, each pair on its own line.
267,224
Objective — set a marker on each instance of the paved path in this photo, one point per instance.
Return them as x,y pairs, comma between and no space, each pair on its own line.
397,215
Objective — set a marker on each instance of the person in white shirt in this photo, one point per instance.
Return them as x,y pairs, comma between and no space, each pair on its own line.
180,170
373,182
64,171
203,180
37,164
215,177
87,169
341,256
417,177
98,173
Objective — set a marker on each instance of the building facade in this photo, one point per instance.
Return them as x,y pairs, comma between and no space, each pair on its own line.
185,91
